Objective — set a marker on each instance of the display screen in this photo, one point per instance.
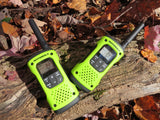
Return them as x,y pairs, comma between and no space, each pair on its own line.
107,54
45,66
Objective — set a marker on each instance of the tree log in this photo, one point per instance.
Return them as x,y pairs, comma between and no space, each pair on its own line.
21,96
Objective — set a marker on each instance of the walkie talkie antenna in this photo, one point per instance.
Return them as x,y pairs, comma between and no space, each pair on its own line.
38,34
132,35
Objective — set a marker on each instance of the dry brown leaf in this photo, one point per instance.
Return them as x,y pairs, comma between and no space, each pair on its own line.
157,13
104,110
67,20
3,2
146,108
110,113
27,14
149,54
79,5
16,2
94,18
93,11
28,29
27,42
9,29
137,110
56,1
51,2
3,42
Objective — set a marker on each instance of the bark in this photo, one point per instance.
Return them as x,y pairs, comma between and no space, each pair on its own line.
23,98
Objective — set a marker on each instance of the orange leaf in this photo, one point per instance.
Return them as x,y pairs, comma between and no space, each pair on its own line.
3,2
146,109
9,29
146,32
27,14
29,47
104,110
109,16
56,1
79,5
149,54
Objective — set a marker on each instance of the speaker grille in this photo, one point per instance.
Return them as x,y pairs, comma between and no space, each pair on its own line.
88,75
62,94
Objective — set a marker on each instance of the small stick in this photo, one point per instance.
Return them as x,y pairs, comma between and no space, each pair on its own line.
120,15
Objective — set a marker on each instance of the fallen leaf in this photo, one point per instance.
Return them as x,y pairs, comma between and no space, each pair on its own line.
149,54
28,29
65,9
3,42
79,5
152,38
27,14
93,11
51,2
16,2
9,29
30,44
10,52
84,30
94,18
3,2
97,2
110,113
157,13
27,43
67,20
146,109
146,32
111,12
141,9
20,45
56,1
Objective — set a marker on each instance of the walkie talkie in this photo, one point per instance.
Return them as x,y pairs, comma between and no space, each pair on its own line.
87,74
61,94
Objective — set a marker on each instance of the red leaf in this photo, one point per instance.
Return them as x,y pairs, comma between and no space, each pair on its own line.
146,108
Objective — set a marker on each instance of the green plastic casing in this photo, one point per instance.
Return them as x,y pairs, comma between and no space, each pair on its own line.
85,76
62,96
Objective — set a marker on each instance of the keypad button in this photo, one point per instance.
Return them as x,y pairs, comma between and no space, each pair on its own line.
54,82
49,85
59,79
92,62
51,77
95,65
100,69
100,61
57,73
58,76
46,79
104,65
95,57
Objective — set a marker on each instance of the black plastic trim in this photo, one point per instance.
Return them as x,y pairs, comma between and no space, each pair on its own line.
73,79
68,106
35,54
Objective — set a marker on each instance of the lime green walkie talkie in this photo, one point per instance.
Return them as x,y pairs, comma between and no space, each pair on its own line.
87,74
60,92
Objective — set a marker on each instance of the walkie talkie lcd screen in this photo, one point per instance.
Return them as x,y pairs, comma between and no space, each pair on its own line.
45,66
106,53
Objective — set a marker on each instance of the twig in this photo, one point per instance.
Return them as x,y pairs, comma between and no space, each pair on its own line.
120,15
